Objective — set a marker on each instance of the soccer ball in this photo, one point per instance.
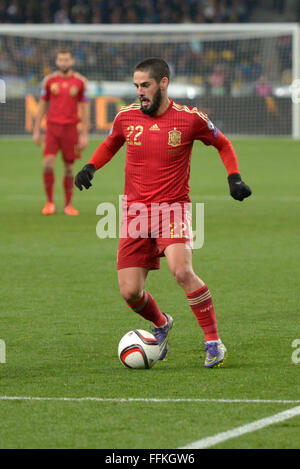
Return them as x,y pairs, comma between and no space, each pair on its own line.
138,349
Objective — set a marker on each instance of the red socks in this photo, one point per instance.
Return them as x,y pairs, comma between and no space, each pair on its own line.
49,180
148,309
68,183
68,188
201,303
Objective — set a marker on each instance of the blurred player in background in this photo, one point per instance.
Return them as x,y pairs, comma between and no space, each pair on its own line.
63,99
160,135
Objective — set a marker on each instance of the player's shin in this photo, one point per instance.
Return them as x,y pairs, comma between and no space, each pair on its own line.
147,307
49,179
68,183
202,306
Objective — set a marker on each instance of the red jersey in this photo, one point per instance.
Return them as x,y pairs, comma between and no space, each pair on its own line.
64,94
159,150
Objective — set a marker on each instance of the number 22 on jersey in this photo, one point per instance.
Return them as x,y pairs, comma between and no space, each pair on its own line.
134,134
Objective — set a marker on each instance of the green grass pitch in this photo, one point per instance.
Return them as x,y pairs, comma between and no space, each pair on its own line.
62,315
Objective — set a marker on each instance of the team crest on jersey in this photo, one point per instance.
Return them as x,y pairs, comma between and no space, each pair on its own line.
174,138
73,91
54,88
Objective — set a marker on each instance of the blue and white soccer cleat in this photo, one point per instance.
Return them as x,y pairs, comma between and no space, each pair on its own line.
216,353
162,336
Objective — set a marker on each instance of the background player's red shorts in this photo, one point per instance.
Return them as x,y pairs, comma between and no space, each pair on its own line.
146,251
62,137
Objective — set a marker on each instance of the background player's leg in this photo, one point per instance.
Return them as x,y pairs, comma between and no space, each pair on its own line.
49,180
68,184
132,283
179,258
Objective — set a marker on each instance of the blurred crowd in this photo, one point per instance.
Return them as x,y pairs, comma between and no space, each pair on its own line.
125,11
226,67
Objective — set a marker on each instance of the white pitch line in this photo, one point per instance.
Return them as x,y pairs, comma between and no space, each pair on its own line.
242,430
150,399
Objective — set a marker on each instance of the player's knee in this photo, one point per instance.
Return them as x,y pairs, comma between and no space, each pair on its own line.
69,171
130,293
48,164
183,276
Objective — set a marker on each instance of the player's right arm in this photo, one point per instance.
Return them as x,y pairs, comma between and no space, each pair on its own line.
42,110
102,155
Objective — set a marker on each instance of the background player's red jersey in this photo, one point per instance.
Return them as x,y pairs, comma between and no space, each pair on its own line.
64,94
159,150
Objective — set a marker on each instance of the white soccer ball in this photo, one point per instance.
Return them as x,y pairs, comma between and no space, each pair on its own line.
138,349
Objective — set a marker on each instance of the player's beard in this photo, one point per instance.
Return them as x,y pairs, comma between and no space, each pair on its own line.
65,70
156,102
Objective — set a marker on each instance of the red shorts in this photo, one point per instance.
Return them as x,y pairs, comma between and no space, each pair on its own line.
62,137
142,244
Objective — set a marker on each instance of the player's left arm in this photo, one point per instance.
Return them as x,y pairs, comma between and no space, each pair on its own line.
84,111
211,135
85,124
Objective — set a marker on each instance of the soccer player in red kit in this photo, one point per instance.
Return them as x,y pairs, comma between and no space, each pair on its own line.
160,135
63,93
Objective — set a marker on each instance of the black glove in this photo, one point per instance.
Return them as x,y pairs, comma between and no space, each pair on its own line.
84,177
238,189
